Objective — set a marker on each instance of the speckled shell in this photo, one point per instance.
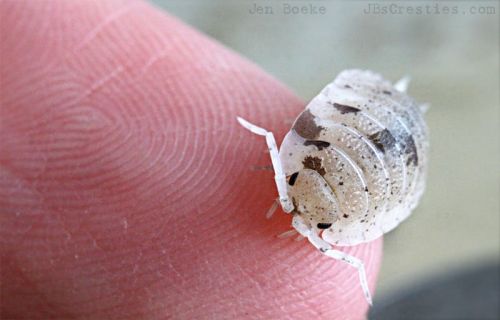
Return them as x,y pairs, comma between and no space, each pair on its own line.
356,158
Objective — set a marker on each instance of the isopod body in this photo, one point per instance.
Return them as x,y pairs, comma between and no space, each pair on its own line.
358,158
353,165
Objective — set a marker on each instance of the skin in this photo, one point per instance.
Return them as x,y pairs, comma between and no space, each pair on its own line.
127,188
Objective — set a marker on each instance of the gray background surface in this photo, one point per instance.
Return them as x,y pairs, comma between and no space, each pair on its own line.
454,62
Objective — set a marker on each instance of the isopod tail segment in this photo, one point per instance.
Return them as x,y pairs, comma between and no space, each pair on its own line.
402,84
424,107
297,222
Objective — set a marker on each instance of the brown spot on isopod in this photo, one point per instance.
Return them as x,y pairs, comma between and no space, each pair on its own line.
383,140
317,143
293,178
324,225
314,163
345,108
411,151
306,127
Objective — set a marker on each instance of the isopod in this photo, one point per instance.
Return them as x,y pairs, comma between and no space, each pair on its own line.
353,165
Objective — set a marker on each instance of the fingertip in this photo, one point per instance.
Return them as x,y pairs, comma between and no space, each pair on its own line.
155,193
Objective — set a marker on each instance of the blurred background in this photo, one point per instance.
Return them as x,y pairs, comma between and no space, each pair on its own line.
443,262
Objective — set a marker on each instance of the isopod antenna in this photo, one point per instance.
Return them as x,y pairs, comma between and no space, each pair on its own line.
279,174
325,248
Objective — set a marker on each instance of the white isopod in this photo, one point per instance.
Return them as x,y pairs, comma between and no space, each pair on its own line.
353,165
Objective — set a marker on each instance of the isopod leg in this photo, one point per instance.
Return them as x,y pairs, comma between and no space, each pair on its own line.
325,248
273,208
299,238
287,234
279,174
